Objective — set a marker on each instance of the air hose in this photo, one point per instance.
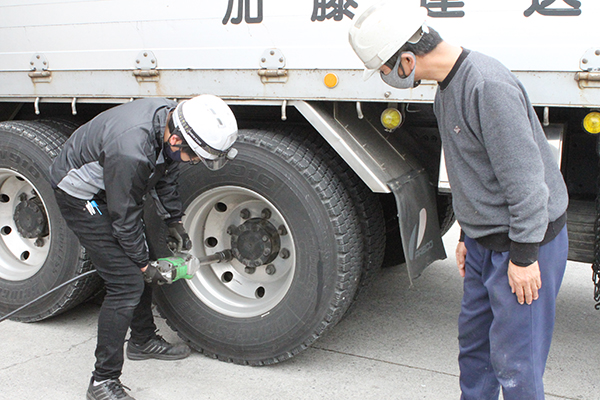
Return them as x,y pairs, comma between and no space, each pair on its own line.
78,277
181,266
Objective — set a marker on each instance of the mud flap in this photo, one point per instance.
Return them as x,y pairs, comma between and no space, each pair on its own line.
419,225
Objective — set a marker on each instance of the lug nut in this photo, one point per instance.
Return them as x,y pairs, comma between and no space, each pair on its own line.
265,214
245,213
270,269
282,231
284,253
249,270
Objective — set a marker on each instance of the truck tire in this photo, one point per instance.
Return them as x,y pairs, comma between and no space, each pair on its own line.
37,250
296,237
371,219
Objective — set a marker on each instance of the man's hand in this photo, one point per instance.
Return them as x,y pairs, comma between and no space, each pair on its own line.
525,281
153,275
461,255
177,238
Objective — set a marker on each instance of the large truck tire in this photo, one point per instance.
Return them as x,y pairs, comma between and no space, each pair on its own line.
297,242
370,217
37,250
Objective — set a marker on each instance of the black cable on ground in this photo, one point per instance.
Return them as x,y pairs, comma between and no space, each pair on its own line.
78,277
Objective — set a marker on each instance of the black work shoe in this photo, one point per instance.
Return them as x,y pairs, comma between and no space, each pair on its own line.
158,348
111,389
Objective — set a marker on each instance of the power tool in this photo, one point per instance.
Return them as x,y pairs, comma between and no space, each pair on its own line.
180,265
185,265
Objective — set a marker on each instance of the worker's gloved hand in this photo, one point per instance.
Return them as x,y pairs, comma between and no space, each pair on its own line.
178,239
153,275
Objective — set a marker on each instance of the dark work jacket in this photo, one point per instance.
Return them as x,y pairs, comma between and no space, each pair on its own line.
118,158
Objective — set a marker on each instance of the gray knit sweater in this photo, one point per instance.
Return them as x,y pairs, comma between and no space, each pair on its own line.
504,179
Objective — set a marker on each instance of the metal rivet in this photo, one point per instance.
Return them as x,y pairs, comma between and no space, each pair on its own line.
584,61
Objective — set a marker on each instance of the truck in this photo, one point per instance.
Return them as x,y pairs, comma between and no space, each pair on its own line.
335,176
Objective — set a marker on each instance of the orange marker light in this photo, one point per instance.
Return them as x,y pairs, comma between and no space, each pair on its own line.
331,80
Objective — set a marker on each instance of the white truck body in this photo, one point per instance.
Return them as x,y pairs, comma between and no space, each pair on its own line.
91,48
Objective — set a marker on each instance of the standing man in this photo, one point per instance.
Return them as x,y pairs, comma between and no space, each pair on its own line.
104,172
508,196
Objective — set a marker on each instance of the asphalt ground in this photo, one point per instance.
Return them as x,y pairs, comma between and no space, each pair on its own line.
397,342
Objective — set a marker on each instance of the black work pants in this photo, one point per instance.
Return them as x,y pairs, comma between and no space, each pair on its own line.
128,300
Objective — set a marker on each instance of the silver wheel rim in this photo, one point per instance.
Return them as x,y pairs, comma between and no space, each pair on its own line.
20,257
233,289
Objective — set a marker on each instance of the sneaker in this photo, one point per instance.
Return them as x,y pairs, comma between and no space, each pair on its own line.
158,348
111,389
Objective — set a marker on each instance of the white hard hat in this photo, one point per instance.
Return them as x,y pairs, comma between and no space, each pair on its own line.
209,127
383,29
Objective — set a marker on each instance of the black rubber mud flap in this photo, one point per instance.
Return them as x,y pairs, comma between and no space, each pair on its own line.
419,226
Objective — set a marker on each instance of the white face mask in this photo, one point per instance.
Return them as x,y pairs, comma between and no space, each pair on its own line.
393,78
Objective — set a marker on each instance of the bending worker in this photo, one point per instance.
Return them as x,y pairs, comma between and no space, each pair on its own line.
101,177
508,193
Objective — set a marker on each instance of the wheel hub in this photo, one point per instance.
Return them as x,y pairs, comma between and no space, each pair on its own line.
30,218
255,242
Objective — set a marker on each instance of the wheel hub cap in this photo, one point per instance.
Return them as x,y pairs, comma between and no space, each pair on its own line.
255,242
30,218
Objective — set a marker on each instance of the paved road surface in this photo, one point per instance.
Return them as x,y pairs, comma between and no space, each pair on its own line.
397,343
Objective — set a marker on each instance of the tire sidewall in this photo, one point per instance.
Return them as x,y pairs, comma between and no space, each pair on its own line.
19,154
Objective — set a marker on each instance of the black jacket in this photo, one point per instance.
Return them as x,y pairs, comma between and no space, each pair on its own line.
117,157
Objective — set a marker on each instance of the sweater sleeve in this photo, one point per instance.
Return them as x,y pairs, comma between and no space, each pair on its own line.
517,164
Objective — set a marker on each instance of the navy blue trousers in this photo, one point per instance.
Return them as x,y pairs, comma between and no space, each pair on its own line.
128,300
504,344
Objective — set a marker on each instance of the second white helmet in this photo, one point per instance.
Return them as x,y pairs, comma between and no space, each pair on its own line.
209,127
383,29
